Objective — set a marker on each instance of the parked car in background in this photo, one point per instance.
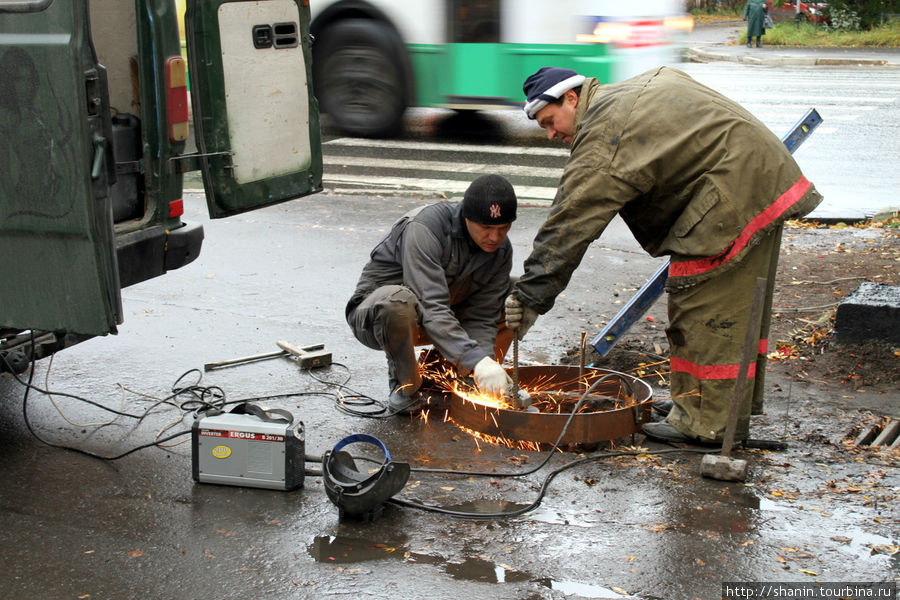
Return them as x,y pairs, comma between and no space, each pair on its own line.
812,12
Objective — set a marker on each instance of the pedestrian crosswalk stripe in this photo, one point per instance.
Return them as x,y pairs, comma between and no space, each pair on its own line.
408,145
453,167
446,187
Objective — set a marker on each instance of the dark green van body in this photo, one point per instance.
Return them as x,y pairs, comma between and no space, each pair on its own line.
93,152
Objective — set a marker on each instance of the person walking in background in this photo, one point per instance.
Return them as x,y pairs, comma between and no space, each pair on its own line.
755,15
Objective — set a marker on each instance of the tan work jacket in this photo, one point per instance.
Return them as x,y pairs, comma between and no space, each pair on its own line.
693,174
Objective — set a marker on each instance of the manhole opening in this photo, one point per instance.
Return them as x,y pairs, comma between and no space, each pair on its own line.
621,406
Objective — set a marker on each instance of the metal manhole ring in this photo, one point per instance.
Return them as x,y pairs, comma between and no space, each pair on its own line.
586,428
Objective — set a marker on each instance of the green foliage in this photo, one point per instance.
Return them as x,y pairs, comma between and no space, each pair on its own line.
871,13
806,34
715,7
844,19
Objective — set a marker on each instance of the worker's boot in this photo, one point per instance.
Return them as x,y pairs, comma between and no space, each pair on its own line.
405,382
399,403
663,431
663,406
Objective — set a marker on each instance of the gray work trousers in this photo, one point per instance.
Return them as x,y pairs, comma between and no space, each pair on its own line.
390,319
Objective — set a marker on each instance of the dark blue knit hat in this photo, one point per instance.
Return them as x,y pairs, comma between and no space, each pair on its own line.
490,200
548,85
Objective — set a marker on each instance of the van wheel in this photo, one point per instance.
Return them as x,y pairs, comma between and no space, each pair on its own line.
359,78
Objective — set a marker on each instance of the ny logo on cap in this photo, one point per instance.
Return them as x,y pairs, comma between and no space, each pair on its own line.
495,211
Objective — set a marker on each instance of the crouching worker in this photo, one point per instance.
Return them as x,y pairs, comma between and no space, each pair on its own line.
440,277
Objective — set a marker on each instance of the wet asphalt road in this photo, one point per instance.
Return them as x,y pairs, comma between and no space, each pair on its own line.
851,157
139,527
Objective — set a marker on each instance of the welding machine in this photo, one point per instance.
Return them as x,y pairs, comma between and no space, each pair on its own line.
250,447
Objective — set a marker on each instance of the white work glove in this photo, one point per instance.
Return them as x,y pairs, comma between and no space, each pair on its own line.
519,316
491,378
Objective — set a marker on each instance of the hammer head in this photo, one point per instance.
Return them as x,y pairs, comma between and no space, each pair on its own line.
724,468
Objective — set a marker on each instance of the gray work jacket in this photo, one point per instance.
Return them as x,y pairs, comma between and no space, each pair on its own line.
460,287
693,174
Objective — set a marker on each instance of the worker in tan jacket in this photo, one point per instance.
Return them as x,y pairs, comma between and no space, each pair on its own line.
695,177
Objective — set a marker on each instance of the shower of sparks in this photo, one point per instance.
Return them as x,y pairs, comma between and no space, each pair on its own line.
551,394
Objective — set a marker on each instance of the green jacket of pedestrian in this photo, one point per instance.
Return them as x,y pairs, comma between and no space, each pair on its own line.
693,174
755,14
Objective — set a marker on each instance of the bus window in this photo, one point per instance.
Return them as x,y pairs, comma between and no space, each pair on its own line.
474,21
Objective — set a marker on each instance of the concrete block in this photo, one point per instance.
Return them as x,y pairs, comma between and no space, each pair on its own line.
724,468
870,314
887,213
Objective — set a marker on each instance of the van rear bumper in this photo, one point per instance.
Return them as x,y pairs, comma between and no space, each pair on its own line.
149,253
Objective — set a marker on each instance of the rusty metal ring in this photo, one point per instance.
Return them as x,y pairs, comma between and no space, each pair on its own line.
541,427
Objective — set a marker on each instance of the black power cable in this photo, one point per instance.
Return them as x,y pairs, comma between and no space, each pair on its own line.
544,486
29,386
547,480
205,398
347,402
202,398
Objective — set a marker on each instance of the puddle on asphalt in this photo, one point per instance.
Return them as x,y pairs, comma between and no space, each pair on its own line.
555,517
340,549
343,549
486,507
582,589
766,504
479,569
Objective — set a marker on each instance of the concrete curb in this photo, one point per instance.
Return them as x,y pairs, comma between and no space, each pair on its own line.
705,56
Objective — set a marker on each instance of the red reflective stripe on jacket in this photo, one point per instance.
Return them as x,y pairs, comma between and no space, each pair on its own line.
770,214
682,365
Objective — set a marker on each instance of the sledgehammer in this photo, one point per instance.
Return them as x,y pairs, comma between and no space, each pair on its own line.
724,467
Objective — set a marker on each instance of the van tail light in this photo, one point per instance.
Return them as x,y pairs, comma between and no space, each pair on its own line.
176,208
177,99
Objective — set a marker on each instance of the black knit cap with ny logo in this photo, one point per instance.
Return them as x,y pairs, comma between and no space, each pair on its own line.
490,200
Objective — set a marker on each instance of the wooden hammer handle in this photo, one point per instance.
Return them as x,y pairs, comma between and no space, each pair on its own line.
750,350
297,350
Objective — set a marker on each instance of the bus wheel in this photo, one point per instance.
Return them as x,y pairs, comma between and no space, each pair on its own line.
359,78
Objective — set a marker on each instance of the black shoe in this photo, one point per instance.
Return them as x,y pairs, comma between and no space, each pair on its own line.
401,404
665,432
422,399
758,45
663,407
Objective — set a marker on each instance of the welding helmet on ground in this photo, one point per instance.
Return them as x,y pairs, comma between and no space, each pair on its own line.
356,493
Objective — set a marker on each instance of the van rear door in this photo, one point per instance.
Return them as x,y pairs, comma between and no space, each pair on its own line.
256,120
57,251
